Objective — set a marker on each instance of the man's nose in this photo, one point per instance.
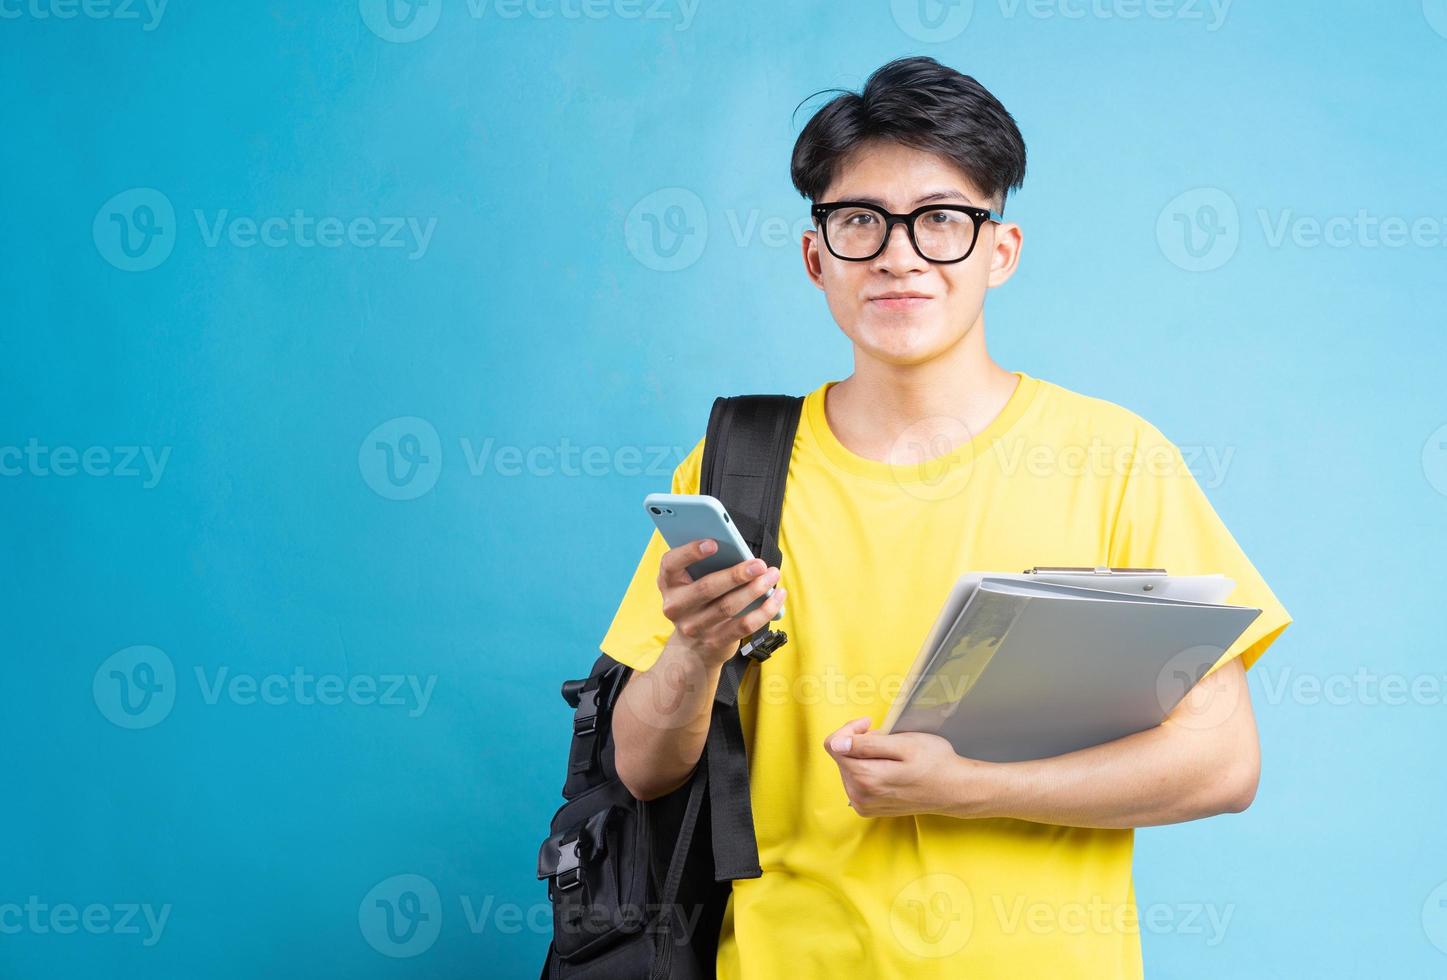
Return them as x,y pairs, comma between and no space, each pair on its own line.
899,253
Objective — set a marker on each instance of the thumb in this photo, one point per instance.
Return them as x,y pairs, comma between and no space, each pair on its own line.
842,740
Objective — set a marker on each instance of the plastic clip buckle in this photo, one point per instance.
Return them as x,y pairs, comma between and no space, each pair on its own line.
570,872
585,719
763,648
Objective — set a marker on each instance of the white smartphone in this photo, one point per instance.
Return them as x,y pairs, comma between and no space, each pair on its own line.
685,517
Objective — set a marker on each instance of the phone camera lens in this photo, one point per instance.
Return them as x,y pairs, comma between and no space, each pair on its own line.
655,510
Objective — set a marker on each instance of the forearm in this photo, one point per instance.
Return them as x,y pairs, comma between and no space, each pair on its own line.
661,721
1142,780
1182,770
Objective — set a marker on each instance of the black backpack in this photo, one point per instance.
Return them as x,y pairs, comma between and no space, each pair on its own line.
638,889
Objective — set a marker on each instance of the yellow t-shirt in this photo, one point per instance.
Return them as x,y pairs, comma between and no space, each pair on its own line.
870,550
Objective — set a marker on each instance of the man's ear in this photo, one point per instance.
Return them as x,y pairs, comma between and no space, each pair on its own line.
812,265
1005,252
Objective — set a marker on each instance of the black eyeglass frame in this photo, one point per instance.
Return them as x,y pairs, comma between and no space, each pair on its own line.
821,212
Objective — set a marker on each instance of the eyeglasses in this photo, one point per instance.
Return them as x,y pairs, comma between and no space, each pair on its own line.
942,233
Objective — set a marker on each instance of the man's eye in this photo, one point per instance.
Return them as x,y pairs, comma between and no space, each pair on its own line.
859,218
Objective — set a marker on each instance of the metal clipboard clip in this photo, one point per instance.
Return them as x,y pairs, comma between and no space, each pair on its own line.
1096,570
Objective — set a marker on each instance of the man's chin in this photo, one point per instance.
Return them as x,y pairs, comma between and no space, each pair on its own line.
902,342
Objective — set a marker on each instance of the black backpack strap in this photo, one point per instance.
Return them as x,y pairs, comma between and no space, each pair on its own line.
735,847
746,454
746,466
592,701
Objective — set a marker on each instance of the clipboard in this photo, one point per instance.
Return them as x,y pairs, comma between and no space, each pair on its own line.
1086,669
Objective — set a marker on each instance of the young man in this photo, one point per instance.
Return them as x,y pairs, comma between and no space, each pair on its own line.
889,855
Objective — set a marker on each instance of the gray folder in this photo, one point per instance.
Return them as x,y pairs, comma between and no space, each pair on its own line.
1035,669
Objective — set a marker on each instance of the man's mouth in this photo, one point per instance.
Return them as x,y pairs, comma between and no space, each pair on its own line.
900,300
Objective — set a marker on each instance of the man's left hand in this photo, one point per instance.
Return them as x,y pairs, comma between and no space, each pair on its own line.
905,773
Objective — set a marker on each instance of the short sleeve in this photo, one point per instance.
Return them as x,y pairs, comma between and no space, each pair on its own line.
639,629
1165,521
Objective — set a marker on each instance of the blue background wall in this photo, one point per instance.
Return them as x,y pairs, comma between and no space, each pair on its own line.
531,352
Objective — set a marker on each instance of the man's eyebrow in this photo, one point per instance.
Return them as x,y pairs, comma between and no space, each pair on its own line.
930,198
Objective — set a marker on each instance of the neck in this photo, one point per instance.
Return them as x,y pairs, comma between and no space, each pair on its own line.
886,411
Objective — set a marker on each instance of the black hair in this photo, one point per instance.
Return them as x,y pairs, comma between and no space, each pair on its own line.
923,104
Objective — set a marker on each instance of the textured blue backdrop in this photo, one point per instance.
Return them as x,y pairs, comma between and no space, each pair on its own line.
341,341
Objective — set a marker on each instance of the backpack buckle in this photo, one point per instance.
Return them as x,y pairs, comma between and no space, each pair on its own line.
569,873
585,719
761,647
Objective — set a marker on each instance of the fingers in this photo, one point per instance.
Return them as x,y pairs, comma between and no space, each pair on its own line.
706,613
673,572
732,603
717,624
672,568
840,741
696,602
763,615
725,580
877,747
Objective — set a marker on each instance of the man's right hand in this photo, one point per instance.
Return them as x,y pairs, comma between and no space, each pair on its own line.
704,613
